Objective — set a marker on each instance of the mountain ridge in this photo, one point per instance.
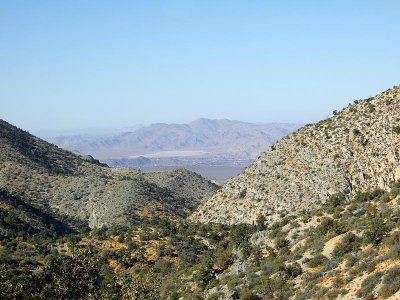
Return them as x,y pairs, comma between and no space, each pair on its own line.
220,137
68,184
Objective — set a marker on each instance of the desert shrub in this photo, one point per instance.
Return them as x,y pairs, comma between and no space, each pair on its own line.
378,194
285,221
276,288
246,249
162,267
214,296
351,260
336,200
369,284
247,294
317,261
371,107
332,293
143,286
312,278
329,265
362,197
5,256
281,242
376,230
306,217
394,252
385,198
358,209
293,270
261,222
100,233
339,227
350,243
395,190
396,129
224,259
71,277
204,274
391,282
325,225
393,243
240,234
256,256
110,289
233,281
360,267
274,231
243,193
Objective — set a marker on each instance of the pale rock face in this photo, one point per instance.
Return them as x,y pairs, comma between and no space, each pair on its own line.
357,149
397,174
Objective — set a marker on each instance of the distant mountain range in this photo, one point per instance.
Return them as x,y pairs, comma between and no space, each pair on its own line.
203,137
217,149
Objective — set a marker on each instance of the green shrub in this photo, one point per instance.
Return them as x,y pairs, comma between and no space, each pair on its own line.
204,274
362,197
247,294
214,296
350,243
261,222
240,234
316,261
369,284
395,190
163,267
391,282
243,193
393,243
293,270
396,129
329,265
233,281
371,107
325,225
376,230
336,200
281,242
224,259
351,260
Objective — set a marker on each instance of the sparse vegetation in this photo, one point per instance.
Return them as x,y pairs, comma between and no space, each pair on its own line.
142,246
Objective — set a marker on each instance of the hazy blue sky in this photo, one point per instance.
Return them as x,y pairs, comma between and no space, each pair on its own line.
78,64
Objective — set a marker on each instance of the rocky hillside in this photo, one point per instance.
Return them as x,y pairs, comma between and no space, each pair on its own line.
356,149
58,181
345,249
184,184
17,216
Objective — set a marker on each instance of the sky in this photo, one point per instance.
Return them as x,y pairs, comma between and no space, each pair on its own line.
80,65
